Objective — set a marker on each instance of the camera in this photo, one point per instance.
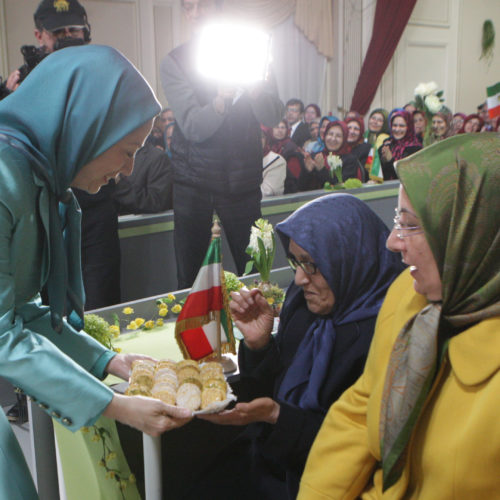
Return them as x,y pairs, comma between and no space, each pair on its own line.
32,56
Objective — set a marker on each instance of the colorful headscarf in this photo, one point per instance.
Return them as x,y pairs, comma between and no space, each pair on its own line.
346,224
345,148
453,187
398,146
361,124
87,99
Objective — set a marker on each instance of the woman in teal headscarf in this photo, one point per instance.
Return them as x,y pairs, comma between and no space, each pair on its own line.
77,120
422,420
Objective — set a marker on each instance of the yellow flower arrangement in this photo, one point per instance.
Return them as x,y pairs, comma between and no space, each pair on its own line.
163,311
128,310
177,309
139,322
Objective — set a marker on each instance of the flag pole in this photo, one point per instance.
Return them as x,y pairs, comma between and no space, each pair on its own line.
227,363
216,234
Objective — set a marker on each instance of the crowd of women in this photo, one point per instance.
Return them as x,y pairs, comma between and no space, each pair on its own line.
380,382
367,148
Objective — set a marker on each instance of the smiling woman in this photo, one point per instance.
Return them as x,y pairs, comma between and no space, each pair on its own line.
118,159
336,245
94,116
396,431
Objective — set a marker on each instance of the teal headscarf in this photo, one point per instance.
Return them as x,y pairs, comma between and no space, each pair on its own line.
75,105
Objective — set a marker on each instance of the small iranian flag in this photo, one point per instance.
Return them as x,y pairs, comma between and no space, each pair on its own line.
493,100
205,318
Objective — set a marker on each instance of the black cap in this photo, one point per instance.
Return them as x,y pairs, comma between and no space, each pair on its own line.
55,14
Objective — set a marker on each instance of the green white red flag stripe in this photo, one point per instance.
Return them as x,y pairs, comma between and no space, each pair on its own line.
196,329
493,100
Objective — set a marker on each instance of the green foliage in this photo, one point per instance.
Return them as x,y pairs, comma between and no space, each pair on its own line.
233,284
353,184
488,40
98,328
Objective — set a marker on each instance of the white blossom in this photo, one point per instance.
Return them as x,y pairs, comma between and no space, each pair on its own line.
264,231
425,89
334,161
433,103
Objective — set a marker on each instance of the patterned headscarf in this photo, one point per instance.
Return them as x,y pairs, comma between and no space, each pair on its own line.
453,186
87,99
398,146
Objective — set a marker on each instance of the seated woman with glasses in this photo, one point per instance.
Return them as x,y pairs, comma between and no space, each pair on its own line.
422,420
336,246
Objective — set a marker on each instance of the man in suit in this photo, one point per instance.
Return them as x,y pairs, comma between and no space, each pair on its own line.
299,131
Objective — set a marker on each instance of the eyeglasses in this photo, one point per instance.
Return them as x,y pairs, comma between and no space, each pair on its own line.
309,268
72,31
403,230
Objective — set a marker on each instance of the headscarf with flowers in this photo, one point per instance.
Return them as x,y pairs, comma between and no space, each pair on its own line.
398,146
453,187
361,124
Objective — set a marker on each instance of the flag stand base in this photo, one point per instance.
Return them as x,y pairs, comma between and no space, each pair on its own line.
228,365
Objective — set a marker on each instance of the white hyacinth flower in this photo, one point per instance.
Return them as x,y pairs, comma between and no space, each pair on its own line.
334,161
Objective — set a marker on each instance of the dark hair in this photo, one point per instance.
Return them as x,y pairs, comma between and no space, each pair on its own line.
316,108
293,102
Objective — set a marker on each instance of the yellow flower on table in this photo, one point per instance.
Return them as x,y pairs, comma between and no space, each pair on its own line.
127,310
171,296
139,322
159,322
114,330
163,311
177,309
149,324
132,326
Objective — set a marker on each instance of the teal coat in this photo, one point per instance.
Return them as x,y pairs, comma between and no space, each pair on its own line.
51,368
76,104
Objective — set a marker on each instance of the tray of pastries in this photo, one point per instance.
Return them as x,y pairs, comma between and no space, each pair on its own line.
200,387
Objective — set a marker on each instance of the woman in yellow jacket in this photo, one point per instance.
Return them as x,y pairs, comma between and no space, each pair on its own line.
422,420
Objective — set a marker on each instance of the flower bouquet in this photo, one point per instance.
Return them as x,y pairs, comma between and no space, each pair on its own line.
428,100
262,248
335,164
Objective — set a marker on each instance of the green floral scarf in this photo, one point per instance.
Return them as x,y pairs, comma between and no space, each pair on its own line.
454,187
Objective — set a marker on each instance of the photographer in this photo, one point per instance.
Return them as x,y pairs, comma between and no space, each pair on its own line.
57,25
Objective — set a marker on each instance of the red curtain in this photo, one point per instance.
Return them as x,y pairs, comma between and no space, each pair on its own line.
391,18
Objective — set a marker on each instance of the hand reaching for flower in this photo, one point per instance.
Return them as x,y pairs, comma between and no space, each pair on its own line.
253,316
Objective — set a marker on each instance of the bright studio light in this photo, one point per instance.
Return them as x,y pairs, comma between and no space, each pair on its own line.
233,54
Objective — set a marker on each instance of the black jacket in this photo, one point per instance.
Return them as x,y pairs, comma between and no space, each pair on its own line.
149,188
230,160
301,134
289,440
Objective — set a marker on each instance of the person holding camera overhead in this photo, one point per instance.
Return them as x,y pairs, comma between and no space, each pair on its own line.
216,151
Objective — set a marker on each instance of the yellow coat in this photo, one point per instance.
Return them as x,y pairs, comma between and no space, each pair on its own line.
454,452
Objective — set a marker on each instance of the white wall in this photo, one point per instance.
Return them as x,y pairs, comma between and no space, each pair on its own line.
442,42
